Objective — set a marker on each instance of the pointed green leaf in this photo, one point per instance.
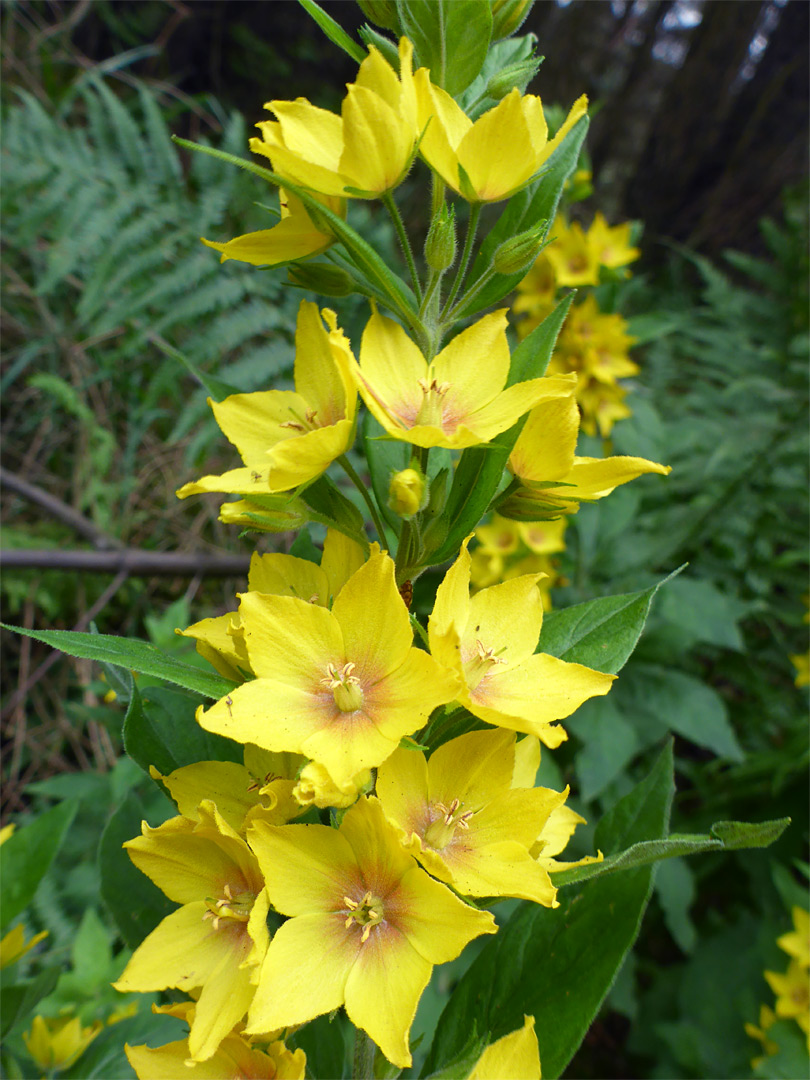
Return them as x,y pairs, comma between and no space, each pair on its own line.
747,834
558,965
18,1002
327,505
216,388
26,856
334,31
601,633
451,37
134,654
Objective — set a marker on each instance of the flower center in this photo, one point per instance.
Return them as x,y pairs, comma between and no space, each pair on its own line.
432,408
480,664
301,424
235,908
366,913
345,687
441,831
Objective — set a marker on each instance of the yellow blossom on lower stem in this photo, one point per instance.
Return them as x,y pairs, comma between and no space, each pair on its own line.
13,944
234,1057
366,926
462,819
796,943
56,1043
792,989
516,1056
216,941
489,640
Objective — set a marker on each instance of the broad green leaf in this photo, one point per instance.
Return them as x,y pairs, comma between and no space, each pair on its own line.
451,37
558,965
334,31
536,203
133,901
748,834
658,699
501,54
26,856
90,952
17,1002
706,614
790,1060
675,890
601,633
324,1040
608,744
160,729
480,468
134,654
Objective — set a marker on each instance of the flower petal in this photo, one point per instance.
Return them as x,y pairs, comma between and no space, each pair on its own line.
506,618
287,575
290,640
497,152
509,406
436,922
475,363
388,375
373,619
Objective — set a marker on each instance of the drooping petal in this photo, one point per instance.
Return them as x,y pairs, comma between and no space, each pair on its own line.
223,1002
224,651
503,868
304,972
514,401
545,447
296,461
592,478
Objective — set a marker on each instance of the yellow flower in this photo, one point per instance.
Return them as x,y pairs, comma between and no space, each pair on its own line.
489,640
797,942
767,1018
536,295
13,945
316,787
341,686
295,237
366,927
288,438
500,153
595,344
572,257
792,991
235,1057
6,832
602,405
516,1056
56,1043
364,152
461,818
456,400
611,245
801,661
217,939
553,478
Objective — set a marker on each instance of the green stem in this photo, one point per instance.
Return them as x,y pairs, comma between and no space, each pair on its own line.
472,229
486,277
361,487
420,630
404,242
364,1053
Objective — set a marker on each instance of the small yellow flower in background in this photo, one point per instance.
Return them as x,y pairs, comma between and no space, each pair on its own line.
295,237
554,480
594,345
364,152
489,640
792,989
234,1057
261,788
216,941
500,153
341,686
13,945
6,832
796,943
801,662
462,819
507,549
456,400
56,1043
366,927
288,438
536,295
516,1056
573,259
767,1018
602,405
611,243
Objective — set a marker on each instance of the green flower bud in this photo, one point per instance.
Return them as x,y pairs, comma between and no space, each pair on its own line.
263,516
440,245
513,75
406,492
322,278
519,252
507,16
381,12
526,505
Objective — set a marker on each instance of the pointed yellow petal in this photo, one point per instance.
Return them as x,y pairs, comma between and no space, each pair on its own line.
506,618
593,478
286,575
255,422
376,846
341,558
503,868
272,715
578,110
436,922
546,446
300,460
312,134
475,364
447,125
293,238
317,378
473,768
223,782
389,372
497,153
527,762
451,611
402,788
373,619
500,414
377,145
289,640
516,1055
223,1002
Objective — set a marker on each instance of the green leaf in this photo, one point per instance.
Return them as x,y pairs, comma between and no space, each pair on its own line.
531,358
90,952
658,699
451,37
747,834
706,614
384,457
160,729
559,965
134,654
675,889
26,856
536,203
601,633
324,1041
216,388
327,505
334,31
17,1002
608,744
133,901
501,54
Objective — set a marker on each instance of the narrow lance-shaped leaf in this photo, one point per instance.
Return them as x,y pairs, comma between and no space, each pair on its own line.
333,30
134,654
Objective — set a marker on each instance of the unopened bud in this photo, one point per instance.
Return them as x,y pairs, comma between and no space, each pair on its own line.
517,254
523,504
507,16
514,75
321,278
406,492
440,245
381,12
290,514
